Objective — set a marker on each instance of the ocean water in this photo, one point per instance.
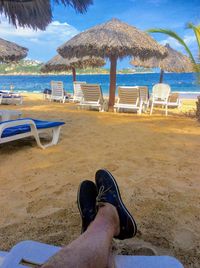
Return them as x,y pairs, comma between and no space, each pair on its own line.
185,83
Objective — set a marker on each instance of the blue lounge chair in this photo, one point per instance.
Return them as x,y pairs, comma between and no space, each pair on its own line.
28,253
17,129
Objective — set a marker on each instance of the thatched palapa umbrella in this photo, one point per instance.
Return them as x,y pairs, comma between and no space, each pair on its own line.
10,51
58,63
174,62
113,39
36,14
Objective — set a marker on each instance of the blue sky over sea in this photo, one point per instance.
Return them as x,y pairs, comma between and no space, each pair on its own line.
170,14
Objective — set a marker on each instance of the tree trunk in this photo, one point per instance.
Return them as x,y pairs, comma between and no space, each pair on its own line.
113,70
74,74
198,108
161,76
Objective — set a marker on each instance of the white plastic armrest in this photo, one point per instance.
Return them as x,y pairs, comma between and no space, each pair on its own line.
15,123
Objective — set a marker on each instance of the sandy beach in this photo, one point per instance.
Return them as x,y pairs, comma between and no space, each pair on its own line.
154,159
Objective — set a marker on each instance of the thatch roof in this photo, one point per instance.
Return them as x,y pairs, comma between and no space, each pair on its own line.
59,63
112,38
10,51
174,62
36,14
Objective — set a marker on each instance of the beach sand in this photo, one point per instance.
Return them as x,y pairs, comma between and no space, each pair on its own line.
154,159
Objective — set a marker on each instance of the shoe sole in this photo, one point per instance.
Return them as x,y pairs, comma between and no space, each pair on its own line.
79,206
78,202
121,202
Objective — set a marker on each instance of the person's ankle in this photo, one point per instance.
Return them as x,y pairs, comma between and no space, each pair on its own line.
111,213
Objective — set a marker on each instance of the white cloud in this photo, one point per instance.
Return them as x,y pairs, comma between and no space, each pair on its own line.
190,41
172,42
42,45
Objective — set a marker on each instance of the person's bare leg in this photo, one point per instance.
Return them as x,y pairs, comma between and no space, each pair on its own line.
93,247
111,260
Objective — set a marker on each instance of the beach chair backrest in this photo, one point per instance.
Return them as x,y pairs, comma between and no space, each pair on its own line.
174,97
77,89
57,88
128,95
91,92
161,91
144,93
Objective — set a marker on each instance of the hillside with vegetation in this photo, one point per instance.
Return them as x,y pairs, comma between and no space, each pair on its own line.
21,67
32,67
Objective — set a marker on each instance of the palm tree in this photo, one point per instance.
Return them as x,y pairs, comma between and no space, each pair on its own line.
196,30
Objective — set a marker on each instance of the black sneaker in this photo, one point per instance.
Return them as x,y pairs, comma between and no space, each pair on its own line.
108,192
86,200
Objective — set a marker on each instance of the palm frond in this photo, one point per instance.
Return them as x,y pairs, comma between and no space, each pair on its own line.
196,30
176,37
79,5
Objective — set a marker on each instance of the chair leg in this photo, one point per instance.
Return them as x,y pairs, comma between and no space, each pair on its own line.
179,105
54,141
151,108
139,111
166,111
36,136
56,134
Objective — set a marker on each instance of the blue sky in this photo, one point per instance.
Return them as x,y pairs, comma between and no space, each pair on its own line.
171,14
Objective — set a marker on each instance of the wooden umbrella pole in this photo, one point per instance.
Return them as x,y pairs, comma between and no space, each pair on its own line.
74,74
113,72
161,76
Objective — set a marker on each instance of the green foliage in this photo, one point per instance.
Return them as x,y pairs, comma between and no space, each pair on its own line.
32,67
22,67
92,71
196,30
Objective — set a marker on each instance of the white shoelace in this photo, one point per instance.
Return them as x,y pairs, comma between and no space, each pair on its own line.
100,195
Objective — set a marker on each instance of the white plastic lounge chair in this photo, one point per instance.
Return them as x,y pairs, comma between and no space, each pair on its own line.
57,91
174,100
144,97
128,99
30,253
3,255
78,94
27,127
92,96
160,95
8,114
10,98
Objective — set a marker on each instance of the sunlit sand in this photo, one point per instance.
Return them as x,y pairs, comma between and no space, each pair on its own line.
155,160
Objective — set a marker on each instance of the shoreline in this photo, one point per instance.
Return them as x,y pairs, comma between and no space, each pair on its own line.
69,74
183,95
